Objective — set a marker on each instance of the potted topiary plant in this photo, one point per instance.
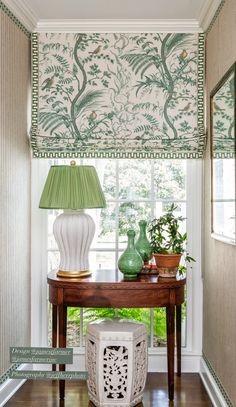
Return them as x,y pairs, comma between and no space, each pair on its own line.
168,244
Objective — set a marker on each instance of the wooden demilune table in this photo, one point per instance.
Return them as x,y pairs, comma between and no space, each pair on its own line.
108,289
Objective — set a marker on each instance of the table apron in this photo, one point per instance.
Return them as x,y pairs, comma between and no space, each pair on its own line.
119,298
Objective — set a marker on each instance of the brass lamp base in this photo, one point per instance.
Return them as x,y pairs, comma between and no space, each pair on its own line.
73,274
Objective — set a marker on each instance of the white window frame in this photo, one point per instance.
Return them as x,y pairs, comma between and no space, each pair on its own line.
191,353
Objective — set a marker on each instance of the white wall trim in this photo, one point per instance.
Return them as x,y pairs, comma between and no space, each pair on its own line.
194,277
129,26
207,13
30,19
211,386
8,389
23,12
157,361
190,363
39,304
10,386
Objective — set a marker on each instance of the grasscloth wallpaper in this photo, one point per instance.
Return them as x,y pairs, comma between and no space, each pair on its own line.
15,189
219,329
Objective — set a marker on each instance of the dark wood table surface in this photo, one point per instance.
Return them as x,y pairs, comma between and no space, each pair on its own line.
108,289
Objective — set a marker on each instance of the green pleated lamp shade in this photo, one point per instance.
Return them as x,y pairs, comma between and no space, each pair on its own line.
72,187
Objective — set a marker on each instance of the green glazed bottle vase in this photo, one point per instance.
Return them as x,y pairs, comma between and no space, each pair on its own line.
143,245
130,262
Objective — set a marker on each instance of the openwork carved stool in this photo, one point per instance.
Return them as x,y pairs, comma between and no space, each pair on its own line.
116,360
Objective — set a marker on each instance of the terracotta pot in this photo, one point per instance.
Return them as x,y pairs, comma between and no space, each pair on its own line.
167,264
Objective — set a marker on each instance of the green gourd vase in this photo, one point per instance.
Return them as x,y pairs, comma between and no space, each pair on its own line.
130,262
143,245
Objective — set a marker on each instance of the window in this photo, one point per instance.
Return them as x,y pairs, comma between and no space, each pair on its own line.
134,189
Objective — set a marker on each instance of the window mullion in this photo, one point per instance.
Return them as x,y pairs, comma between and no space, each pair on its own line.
151,327
117,222
152,192
117,214
81,339
152,197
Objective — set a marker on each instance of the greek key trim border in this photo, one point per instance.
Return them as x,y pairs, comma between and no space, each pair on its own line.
35,87
200,96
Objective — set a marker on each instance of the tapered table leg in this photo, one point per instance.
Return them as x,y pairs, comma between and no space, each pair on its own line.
170,327
54,330
178,338
62,344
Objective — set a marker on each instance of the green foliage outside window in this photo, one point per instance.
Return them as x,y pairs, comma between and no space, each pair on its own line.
130,188
135,187
138,314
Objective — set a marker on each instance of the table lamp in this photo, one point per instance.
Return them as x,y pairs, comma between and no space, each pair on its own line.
73,188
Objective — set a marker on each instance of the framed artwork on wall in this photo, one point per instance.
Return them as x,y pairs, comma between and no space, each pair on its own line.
222,115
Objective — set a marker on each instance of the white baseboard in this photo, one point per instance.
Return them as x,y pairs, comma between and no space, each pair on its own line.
157,362
10,387
211,386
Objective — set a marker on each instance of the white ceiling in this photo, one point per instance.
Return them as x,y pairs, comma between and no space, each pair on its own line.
116,9
43,14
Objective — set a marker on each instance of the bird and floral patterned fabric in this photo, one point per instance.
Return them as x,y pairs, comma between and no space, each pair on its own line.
223,117
118,95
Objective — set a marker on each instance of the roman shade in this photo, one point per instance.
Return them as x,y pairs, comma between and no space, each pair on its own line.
118,95
223,115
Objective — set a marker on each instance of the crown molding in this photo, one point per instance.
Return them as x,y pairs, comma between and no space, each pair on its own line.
208,12
129,26
23,13
29,18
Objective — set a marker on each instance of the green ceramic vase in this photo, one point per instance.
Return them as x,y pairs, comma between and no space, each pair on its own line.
143,245
130,262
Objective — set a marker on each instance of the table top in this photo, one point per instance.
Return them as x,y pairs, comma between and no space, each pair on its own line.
113,279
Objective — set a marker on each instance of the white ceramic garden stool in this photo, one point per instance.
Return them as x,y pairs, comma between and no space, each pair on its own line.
116,361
